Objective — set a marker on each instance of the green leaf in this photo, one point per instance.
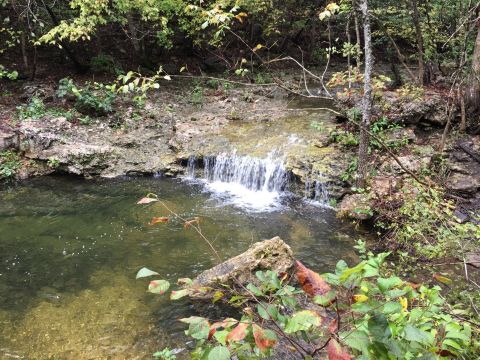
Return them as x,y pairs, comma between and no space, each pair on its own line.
340,267
198,328
261,276
415,334
267,311
388,283
457,335
395,293
192,319
357,340
176,295
221,336
362,307
262,311
219,353
254,290
325,300
158,286
352,271
451,343
217,296
378,327
392,307
302,321
144,272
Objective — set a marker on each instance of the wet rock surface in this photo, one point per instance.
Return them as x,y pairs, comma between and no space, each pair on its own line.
273,254
355,206
169,129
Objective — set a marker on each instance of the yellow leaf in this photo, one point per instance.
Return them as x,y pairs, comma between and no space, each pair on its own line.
332,7
157,220
258,47
442,279
360,298
404,303
324,14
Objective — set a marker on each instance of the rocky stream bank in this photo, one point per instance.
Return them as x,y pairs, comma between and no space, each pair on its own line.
181,123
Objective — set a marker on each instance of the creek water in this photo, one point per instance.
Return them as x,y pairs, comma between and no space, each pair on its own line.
70,249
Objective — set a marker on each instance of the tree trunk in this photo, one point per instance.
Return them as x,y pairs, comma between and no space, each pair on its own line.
473,92
367,99
132,30
419,35
23,47
357,33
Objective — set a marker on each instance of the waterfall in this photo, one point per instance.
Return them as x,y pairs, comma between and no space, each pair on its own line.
252,182
256,183
319,194
191,165
256,174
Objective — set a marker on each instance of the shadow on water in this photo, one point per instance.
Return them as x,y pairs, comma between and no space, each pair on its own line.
69,251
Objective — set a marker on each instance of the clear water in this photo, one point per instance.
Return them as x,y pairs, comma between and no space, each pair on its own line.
69,251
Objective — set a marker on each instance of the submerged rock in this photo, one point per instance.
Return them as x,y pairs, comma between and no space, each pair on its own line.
273,254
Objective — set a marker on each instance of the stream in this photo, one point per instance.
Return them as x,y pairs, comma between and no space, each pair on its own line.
70,249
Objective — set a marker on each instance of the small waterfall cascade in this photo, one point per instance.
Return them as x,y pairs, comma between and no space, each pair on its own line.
316,189
191,165
252,182
256,174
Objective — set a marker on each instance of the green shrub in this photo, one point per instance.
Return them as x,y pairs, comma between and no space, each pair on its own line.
425,225
262,78
35,109
9,164
4,73
197,96
90,100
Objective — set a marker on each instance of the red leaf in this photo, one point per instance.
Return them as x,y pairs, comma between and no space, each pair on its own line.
238,333
283,276
189,223
146,200
333,326
445,353
157,220
335,351
311,282
261,340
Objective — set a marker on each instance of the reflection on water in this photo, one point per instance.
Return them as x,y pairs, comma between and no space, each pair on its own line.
69,251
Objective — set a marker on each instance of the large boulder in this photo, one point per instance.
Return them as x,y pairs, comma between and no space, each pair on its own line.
273,254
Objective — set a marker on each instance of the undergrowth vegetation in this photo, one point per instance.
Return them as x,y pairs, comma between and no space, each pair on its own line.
10,163
424,224
90,99
363,312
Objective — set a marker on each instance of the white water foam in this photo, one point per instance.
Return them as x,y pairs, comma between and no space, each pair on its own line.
256,184
318,196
